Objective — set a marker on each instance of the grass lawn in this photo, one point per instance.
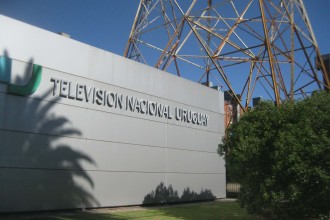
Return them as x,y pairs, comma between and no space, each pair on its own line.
211,210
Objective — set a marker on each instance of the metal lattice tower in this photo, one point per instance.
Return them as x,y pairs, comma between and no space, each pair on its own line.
248,47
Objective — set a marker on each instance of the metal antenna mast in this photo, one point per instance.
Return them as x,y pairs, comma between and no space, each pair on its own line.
250,47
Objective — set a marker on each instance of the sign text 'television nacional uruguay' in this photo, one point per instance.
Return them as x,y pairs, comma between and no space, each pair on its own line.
80,92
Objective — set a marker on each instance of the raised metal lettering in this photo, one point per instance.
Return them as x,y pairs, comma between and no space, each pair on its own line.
80,92
64,88
55,81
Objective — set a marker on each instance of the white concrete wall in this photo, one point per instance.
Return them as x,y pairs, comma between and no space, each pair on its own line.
60,153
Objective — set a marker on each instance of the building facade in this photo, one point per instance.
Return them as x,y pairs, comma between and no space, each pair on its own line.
81,127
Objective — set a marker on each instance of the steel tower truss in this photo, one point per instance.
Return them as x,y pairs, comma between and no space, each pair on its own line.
247,47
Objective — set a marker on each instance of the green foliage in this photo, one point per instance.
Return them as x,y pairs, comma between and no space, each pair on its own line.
167,195
281,157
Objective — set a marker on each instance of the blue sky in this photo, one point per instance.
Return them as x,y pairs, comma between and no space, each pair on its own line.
102,23
106,24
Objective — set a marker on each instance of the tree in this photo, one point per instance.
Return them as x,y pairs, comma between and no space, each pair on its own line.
281,157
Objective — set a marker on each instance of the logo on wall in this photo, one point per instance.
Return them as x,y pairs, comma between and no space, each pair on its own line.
21,90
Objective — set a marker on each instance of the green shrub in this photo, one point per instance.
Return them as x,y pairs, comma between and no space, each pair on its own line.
281,157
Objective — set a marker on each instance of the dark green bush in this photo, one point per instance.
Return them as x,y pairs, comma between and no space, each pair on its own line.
281,157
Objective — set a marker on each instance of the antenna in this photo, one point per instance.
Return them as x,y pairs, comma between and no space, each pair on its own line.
250,47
